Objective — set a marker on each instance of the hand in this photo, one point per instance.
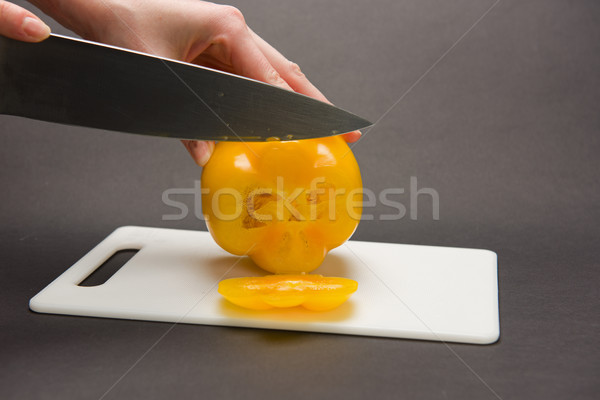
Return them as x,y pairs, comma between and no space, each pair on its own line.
18,23
199,32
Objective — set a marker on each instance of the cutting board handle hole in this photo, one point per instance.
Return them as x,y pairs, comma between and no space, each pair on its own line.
109,267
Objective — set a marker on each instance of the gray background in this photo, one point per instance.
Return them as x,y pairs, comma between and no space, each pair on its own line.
505,128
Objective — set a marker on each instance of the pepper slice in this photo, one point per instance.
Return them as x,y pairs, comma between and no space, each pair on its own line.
313,292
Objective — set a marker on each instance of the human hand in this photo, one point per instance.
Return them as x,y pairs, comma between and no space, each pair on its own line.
20,24
198,32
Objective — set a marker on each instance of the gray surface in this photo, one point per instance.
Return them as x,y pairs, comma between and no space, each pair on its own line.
505,128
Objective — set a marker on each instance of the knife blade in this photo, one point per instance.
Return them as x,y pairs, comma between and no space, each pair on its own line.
77,82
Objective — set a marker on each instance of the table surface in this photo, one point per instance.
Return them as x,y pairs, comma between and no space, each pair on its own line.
494,110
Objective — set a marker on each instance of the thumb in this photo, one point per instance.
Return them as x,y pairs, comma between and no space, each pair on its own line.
20,24
199,150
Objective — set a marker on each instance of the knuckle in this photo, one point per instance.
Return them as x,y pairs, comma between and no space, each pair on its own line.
230,23
227,24
232,15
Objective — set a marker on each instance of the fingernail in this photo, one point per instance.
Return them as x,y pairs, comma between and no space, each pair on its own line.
35,29
277,80
203,151
296,68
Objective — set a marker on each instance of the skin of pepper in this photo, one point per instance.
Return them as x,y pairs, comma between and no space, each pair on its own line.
284,204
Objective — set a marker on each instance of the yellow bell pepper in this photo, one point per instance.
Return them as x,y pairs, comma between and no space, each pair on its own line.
313,292
284,204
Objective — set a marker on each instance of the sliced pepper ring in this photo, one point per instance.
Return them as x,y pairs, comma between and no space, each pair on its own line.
313,292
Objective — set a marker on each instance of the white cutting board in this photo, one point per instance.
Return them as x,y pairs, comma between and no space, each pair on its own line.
404,291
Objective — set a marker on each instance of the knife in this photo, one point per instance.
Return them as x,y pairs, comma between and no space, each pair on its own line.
78,82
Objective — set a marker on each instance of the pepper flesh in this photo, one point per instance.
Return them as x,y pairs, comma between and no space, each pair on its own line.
284,204
313,292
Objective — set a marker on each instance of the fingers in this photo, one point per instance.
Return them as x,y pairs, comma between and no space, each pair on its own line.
199,150
292,74
249,61
20,24
288,70
352,137
244,55
230,45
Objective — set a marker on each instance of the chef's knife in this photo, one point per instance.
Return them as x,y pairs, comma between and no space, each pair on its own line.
78,82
